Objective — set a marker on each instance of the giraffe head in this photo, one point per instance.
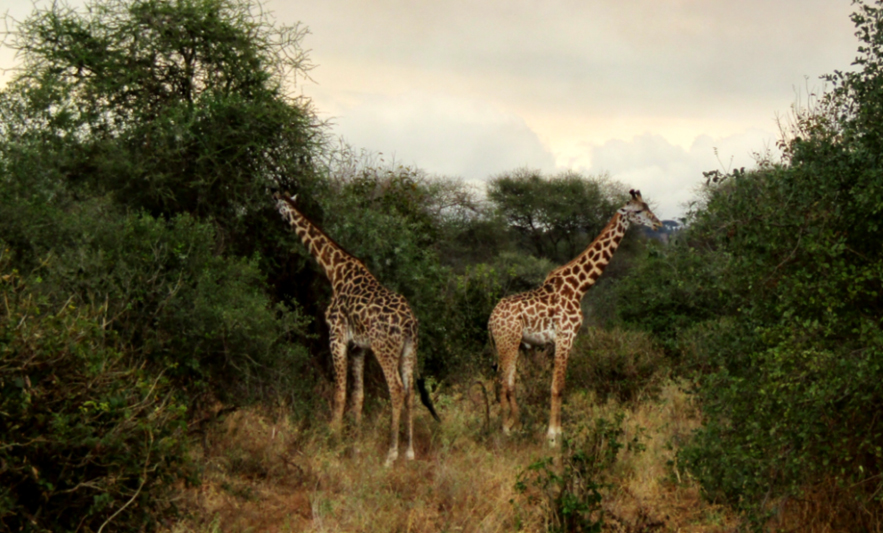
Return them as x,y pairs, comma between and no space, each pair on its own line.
284,203
636,211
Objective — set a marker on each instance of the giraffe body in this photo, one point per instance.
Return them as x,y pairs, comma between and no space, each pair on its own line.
551,313
364,315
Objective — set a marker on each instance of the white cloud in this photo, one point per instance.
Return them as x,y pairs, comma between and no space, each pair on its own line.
442,134
643,89
668,174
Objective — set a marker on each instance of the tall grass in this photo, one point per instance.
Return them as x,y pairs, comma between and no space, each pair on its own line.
261,473
624,417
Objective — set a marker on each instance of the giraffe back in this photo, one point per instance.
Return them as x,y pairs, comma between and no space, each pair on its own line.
371,312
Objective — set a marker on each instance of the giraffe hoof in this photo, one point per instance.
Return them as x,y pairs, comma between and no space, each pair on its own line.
390,459
409,455
554,437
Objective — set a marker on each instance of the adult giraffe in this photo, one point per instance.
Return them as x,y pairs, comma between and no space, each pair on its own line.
551,313
367,315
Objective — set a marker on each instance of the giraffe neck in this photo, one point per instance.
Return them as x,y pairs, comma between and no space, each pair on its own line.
330,256
582,272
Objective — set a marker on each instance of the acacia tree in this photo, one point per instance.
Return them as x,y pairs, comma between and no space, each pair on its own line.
138,141
554,217
171,107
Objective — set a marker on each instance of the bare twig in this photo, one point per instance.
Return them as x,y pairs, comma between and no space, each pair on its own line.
137,492
487,405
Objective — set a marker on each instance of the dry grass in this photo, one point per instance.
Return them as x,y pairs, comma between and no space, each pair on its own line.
263,474
828,507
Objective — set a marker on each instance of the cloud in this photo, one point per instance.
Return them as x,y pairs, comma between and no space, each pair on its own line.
660,56
442,134
668,174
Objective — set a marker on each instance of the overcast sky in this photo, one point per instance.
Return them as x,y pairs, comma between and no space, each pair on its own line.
644,90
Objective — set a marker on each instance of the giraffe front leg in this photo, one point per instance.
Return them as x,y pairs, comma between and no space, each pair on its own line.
562,350
338,358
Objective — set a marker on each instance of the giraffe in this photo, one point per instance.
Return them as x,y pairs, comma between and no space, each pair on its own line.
365,314
551,313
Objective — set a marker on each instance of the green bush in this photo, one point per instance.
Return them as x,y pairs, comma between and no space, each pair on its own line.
572,491
617,363
91,438
204,318
670,289
773,302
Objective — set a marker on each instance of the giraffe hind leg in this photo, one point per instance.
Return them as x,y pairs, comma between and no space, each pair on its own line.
389,362
357,397
507,351
409,355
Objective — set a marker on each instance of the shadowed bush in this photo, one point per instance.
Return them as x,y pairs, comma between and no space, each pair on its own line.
90,438
617,363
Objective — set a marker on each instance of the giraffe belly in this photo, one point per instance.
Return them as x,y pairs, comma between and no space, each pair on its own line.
362,341
538,337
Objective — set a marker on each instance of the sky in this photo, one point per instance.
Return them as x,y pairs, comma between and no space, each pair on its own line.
649,92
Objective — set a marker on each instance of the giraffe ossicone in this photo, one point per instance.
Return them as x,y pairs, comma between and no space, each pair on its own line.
367,316
551,313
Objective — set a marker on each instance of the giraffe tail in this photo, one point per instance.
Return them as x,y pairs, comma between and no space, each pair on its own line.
493,345
426,399
408,354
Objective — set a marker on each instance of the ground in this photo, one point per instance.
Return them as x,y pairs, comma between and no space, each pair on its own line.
262,473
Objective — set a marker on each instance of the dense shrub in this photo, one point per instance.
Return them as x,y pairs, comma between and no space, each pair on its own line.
206,320
621,364
777,305
90,436
137,147
670,288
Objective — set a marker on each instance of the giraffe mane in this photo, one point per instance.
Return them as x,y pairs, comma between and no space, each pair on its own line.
289,199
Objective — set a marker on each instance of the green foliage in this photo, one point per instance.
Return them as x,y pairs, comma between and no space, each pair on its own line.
472,240
205,318
468,300
793,368
571,488
138,143
90,437
617,363
774,296
671,288
136,150
170,107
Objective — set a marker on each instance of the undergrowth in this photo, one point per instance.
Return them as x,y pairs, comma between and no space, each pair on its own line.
466,477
